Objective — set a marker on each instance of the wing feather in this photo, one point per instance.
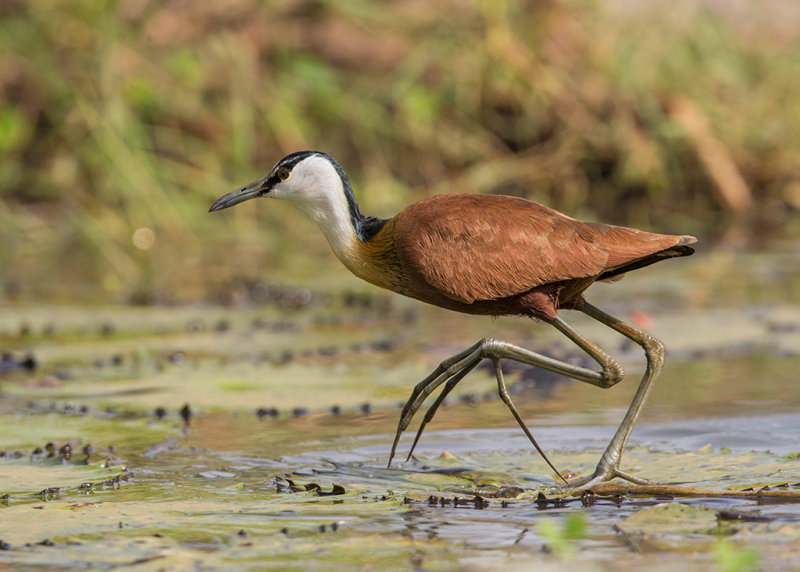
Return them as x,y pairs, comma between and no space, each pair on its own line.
485,247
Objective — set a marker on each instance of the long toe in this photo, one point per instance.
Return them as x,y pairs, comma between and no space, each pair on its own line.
603,474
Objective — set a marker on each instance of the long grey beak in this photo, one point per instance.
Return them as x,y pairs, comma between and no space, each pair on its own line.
251,191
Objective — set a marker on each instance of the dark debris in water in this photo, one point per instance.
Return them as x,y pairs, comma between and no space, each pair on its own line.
586,498
186,414
475,501
10,363
63,453
50,493
542,502
285,484
262,412
245,291
52,454
177,357
69,408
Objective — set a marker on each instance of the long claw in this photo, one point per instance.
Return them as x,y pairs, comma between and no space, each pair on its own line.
602,474
444,371
451,383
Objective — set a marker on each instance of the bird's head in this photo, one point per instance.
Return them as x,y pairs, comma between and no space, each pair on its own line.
317,184
309,179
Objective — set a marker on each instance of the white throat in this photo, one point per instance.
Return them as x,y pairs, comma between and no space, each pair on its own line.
316,188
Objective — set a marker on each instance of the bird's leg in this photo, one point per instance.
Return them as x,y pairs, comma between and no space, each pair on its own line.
501,388
454,368
608,467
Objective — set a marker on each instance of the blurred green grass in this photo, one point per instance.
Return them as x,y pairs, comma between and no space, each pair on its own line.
122,115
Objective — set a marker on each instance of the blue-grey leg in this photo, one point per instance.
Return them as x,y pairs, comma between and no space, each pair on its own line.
654,351
453,369
502,390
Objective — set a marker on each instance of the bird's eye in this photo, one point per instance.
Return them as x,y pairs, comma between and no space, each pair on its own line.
283,173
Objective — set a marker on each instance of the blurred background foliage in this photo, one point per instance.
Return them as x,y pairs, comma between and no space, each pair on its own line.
121,120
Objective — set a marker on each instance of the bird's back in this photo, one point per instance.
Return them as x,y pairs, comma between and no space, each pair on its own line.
470,249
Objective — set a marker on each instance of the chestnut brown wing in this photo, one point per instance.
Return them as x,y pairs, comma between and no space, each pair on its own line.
485,247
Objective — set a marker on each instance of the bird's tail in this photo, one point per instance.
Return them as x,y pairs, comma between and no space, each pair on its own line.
681,248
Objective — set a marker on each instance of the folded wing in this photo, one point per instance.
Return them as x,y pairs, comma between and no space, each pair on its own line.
486,247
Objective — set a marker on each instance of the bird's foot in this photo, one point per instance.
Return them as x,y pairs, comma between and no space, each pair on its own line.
604,473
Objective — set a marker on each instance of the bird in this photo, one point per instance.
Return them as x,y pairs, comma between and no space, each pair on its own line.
483,254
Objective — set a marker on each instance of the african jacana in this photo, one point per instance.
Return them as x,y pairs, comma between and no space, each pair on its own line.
482,254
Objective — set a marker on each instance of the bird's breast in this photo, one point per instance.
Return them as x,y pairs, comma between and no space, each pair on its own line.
376,260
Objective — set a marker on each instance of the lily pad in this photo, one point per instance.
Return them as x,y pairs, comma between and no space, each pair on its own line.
670,518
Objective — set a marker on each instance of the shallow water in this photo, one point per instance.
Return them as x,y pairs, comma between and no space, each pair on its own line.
229,488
